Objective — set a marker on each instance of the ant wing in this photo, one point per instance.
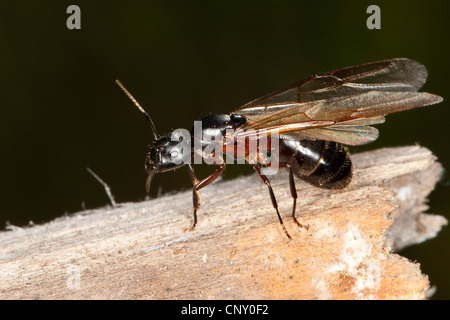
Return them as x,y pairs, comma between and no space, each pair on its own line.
353,132
339,105
387,75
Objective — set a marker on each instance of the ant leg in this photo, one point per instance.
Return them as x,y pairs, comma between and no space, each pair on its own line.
197,185
197,201
294,196
266,181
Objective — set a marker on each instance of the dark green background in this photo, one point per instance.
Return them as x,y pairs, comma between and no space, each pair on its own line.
62,111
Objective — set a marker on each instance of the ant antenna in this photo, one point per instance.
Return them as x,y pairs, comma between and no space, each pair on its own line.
152,125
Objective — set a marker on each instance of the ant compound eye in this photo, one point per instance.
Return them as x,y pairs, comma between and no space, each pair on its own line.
174,154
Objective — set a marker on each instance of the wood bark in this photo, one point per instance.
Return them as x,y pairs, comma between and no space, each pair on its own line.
238,250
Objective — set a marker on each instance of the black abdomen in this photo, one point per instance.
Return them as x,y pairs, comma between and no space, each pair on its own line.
324,164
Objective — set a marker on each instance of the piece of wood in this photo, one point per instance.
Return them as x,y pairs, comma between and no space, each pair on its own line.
239,251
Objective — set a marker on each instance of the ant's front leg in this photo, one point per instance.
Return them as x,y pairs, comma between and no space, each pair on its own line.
197,185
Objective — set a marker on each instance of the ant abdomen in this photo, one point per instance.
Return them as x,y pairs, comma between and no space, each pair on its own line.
324,164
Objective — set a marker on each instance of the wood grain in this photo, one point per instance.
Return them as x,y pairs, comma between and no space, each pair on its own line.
238,251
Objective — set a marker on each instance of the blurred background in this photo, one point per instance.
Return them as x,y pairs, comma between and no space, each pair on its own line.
62,112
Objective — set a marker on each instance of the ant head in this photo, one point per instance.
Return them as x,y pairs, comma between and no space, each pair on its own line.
168,152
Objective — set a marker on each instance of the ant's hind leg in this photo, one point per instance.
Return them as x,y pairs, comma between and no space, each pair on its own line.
294,196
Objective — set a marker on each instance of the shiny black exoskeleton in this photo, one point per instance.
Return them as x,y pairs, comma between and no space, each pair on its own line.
321,163
324,164
314,118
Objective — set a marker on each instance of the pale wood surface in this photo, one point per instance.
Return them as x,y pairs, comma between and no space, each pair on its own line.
238,251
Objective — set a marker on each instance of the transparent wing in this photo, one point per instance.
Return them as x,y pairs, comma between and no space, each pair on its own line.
387,75
353,132
327,105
